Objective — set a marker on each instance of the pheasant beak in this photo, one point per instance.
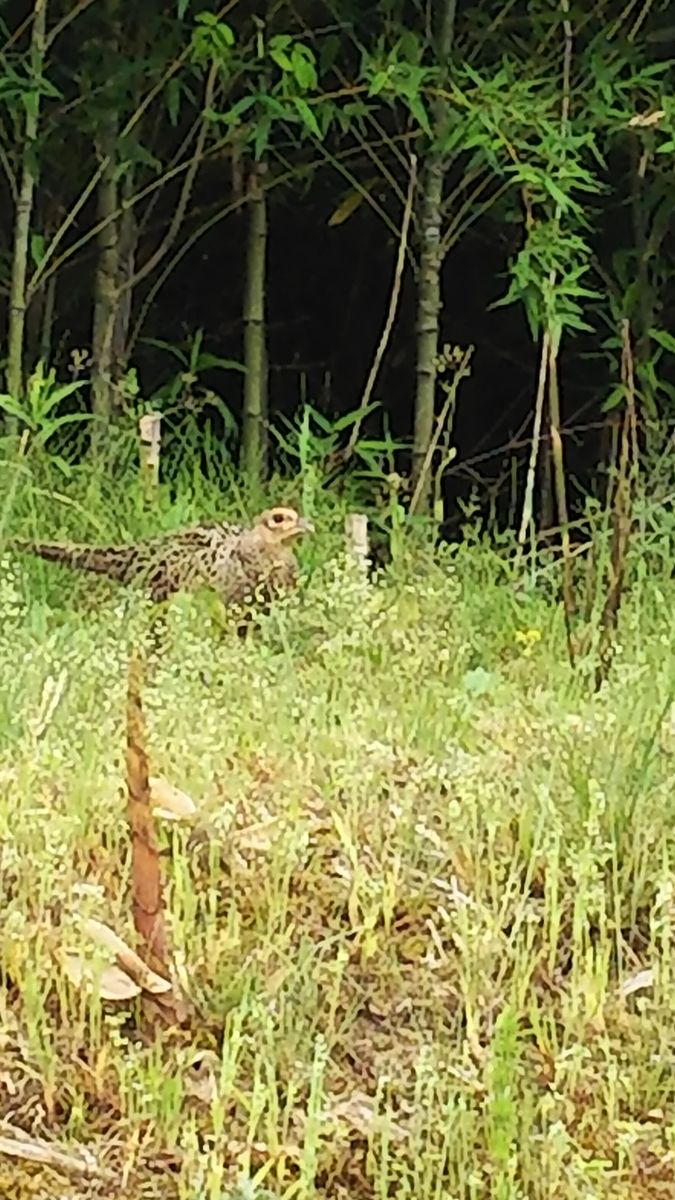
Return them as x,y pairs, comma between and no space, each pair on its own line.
305,525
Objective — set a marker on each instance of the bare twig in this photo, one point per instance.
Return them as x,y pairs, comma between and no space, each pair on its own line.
461,371
536,438
622,512
561,498
391,313
185,192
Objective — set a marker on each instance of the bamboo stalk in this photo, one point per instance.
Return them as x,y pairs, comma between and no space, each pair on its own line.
24,211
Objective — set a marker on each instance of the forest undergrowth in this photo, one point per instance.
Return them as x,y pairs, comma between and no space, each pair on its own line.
425,907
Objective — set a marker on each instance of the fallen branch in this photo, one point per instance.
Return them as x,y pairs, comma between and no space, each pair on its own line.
17,1144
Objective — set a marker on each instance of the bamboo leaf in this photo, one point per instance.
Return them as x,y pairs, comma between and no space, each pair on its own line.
37,248
307,116
12,407
419,112
304,69
173,94
664,339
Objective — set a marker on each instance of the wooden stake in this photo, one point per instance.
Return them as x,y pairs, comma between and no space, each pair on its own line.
356,536
149,429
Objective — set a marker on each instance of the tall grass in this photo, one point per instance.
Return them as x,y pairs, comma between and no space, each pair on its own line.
429,868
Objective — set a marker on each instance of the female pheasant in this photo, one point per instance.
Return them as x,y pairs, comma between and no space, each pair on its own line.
239,563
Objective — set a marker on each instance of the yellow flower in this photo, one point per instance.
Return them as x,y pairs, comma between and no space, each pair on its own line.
528,638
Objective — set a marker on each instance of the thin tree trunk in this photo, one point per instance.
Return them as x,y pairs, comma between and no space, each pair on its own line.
546,515
255,350
432,180
106,289
24,209
560,486
127,244
105,296
37,343
47,324
644,295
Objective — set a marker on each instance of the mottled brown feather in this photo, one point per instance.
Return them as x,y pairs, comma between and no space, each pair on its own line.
239,563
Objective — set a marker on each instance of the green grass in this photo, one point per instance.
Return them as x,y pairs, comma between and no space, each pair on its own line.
433,858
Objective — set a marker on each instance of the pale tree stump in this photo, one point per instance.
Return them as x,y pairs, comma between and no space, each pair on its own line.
149,429
356,537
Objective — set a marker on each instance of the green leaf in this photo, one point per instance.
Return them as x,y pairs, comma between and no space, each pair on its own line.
349,418
159,344
261,135
564,202
282,59
570,321
31,102
307,116
67,419
141,154
311,414
419,113
286,445
273,105
241,106
378,83
232,115
409,46
56,460
224,36
664,339
173,92
326,114
12,407
328,53
206,18
304,68
479,681
212,360
57,394
211,37
616,398
280,41
37,248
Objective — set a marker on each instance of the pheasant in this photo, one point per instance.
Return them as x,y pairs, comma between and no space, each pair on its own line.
239,563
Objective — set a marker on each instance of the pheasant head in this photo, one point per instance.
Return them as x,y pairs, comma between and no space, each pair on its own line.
281,526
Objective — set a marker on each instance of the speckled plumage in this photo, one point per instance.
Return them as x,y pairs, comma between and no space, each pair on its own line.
237,562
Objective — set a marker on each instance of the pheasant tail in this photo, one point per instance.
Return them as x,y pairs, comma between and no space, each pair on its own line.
116,562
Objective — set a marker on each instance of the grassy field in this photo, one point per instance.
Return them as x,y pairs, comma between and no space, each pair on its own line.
429,932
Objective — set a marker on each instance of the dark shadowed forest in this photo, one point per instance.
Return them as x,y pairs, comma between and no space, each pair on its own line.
228,213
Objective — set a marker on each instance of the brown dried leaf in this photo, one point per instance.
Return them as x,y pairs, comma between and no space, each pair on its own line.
147,979
170,802
113,982
637,982
647,119
258,838
199,1077
357,1113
